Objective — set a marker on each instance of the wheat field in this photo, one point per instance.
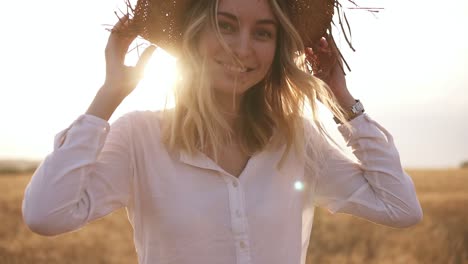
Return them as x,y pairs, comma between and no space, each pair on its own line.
442,236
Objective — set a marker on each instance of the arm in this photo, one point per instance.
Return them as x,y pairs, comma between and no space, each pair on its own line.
376,188
120,80
87,176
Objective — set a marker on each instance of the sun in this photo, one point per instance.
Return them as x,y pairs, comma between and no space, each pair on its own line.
154,92
159,79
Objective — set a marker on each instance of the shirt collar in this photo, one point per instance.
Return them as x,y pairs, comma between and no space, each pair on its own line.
199,160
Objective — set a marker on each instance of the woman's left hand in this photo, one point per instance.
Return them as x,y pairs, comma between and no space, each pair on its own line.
328,66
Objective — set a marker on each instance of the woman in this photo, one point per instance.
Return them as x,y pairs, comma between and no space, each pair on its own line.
233,173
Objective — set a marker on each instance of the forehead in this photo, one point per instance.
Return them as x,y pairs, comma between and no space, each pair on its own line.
247,9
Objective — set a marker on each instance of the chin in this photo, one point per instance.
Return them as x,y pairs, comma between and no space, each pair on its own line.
229,88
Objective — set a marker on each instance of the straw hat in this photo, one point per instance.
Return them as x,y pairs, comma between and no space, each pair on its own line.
161,21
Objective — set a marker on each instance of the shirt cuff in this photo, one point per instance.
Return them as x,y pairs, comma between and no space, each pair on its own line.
363,126
84,124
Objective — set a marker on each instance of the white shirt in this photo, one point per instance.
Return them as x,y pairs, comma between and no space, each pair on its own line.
187,210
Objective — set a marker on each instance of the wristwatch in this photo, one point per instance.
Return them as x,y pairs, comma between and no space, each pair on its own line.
355,110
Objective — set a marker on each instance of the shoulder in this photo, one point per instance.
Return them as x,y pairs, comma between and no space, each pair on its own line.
141,119
316,137
312,131
140,123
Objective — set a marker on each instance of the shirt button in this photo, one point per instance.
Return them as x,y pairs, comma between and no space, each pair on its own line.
238,213
242,244
234,183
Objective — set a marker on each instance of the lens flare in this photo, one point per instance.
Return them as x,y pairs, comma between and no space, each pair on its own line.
298,185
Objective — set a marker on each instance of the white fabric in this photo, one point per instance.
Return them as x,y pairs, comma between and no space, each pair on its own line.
187,210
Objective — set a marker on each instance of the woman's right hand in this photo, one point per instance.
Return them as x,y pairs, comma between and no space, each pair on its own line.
120,78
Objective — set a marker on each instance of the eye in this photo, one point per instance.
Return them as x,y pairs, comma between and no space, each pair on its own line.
225,26
264,34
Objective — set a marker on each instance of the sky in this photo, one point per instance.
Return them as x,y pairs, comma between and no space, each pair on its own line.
408,70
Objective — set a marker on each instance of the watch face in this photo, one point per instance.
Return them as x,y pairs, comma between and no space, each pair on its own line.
357,107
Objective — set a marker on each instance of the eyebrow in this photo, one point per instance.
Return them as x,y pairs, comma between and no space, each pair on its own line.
260,21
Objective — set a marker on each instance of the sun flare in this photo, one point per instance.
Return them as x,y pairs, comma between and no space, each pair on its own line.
155,89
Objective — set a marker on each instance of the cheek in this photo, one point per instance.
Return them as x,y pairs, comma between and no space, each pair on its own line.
207,42
268,55
202,47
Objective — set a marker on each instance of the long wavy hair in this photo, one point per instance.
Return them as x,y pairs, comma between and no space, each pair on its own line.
271,112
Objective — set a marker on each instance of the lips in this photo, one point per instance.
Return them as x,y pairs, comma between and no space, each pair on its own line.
234,68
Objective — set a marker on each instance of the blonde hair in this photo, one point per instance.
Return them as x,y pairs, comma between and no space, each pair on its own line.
271,111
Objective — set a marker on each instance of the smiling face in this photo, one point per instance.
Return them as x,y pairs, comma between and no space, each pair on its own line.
249,30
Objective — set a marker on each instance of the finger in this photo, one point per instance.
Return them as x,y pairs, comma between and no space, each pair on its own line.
323,42
122,21
121,30
119,41
116,49
323,46
144,58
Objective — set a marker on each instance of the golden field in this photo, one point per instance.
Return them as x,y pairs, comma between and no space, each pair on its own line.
442,236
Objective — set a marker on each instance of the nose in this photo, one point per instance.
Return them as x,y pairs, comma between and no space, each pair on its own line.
242,46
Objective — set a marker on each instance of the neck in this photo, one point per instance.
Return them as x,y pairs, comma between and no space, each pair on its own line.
229,106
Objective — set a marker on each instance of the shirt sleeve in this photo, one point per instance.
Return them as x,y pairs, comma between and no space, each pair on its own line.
87,176
375,187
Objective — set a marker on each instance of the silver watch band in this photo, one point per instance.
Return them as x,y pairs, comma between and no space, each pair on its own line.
356,110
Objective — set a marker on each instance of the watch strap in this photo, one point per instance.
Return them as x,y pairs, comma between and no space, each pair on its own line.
356,110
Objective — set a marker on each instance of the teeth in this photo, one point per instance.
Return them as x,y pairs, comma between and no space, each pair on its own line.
234,68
